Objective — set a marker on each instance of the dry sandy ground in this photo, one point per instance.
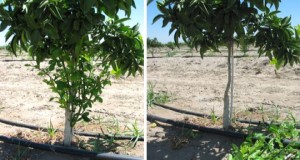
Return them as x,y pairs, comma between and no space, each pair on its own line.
198,85
25,98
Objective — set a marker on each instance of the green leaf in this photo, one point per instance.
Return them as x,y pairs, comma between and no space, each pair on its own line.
121,20
285,21
161,8
165,22
260,4
156,18
88,5
78,47
30,21
273,13
13,45
35,36
176,37
44,3
9,34
52,65
203,49
76,76
61,85
116,72
149,1
296,34
23,42
110,7
276,3
230,3
54,10
273,61
279,64
3,25
85,117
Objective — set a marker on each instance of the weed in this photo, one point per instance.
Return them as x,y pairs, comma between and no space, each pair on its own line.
262,111
51,130
98,119
100,145
270,146
162,97
152,97
171,53
114,128
277,114
182,140
135,132
20,153
97,145
213,116
190,134
150,94
82,144
107,143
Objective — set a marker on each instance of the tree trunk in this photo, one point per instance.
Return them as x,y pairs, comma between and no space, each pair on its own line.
68,132
232,80
228,102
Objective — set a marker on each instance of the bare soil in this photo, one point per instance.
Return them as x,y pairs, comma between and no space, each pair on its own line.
25,98
198,85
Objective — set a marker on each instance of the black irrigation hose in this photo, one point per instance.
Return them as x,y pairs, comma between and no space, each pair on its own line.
209,116
98,135
183,111
117,137
65,150
196,127
210,130
17,60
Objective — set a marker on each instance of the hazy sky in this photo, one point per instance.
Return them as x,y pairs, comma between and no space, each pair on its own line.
287,8
137,16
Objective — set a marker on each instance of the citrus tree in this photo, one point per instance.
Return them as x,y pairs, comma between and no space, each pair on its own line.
82,41
207,25
153,44
170,45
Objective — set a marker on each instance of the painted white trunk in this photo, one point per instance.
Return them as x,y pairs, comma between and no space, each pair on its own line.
226,112
68,132
228,102
232,82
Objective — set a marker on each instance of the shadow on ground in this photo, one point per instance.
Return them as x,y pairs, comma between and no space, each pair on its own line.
204,146
12,152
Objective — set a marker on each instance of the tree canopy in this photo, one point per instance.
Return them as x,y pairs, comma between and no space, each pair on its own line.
211,23
82,39
44,28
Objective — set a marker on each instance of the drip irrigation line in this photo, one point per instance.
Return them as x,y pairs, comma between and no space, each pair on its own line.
108,136
17,60
209,116
65,150
183,111
87,134
196,127
181,124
